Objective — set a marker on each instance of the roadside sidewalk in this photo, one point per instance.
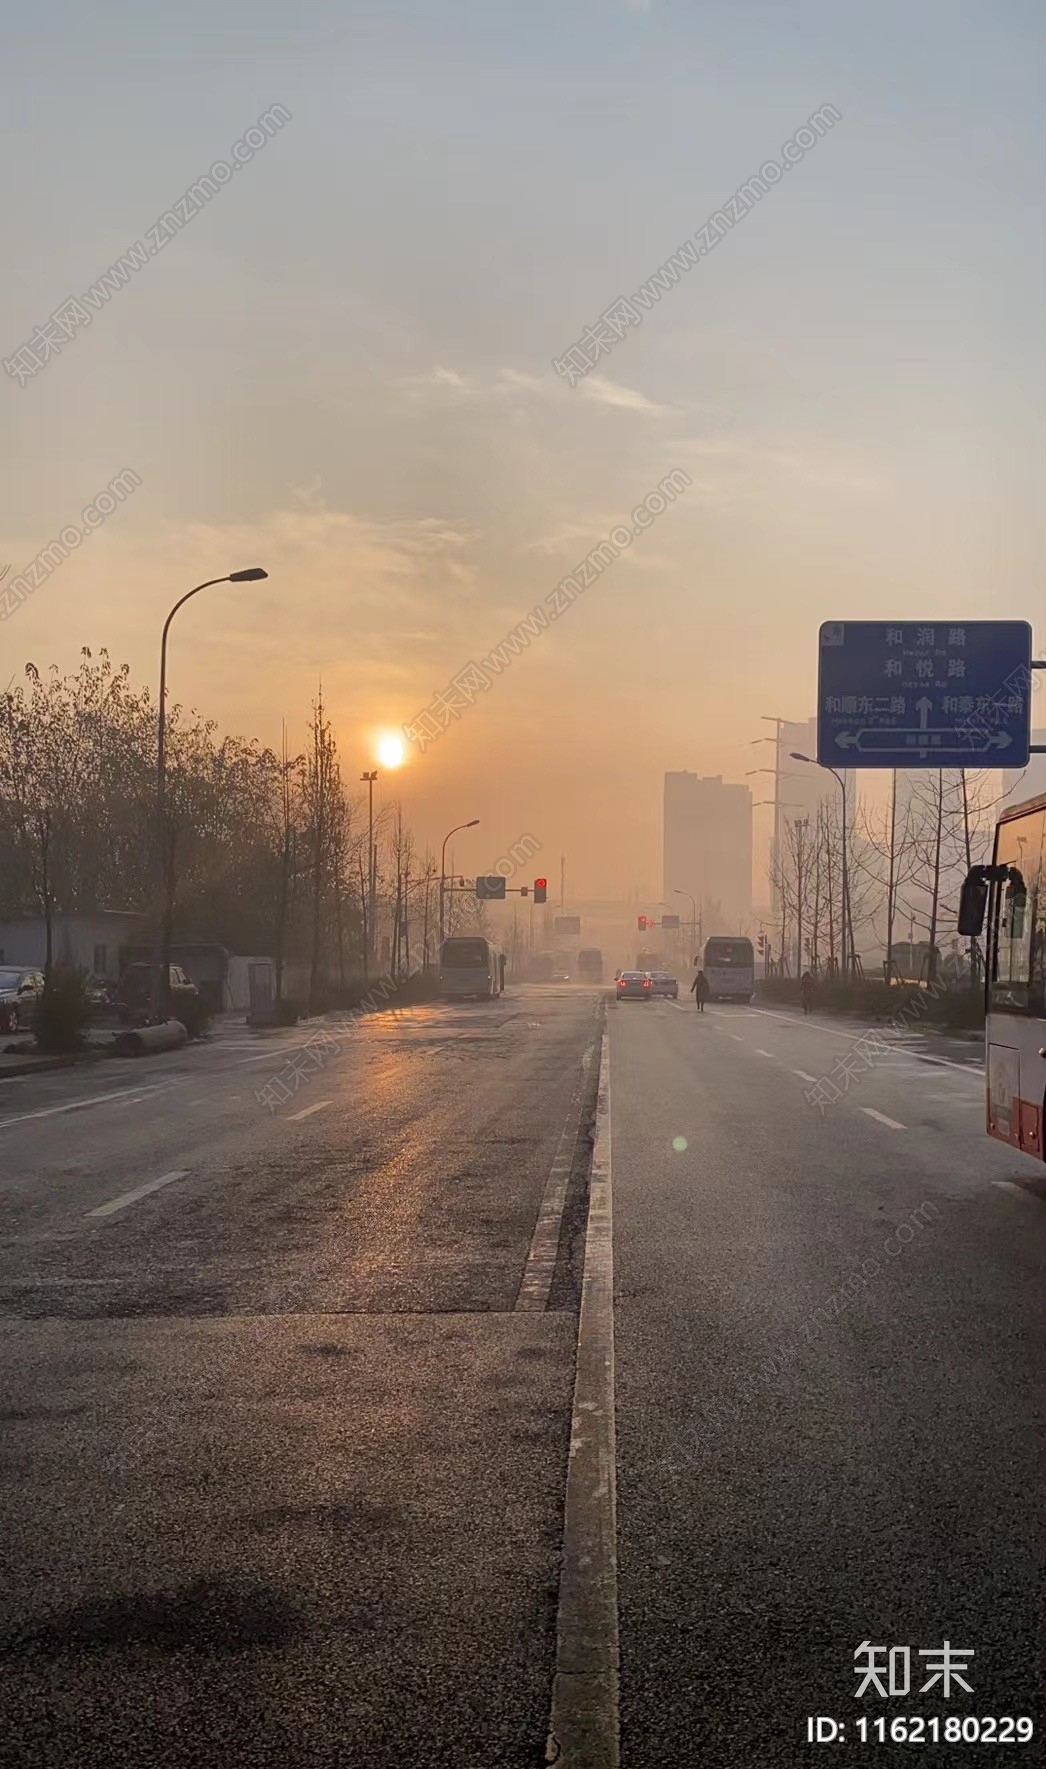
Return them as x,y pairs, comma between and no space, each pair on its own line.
32,1062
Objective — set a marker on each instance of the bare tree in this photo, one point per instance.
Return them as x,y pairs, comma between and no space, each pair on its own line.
321,788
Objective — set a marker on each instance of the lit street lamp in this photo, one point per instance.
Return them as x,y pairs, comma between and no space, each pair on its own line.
162,994
443,871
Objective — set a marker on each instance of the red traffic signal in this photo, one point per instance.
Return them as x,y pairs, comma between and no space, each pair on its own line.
642,924
541,890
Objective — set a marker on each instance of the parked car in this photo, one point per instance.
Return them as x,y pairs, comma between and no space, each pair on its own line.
20,992
101,993
634,985
138,987
663,983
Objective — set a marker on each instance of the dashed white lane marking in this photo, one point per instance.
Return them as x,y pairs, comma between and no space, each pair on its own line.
76,1105
881,1118
140,1191
292,1117
803,1076
736,1036
768,1053
540,1268
583,1721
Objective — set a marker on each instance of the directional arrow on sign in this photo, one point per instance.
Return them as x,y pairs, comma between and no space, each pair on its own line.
959,741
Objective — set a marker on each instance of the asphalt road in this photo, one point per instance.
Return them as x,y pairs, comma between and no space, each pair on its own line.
285,1436
292,1452
830,1350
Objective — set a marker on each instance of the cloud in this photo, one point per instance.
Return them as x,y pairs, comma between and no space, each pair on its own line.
611,393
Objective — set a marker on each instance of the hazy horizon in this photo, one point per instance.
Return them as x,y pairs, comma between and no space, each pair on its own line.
340,368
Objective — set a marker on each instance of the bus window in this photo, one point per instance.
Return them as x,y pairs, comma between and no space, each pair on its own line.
1017,916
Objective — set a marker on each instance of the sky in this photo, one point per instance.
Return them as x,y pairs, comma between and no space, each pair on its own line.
340,367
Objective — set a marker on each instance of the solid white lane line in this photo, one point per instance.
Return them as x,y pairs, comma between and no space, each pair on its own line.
969,1065
141,1191
97,1099
881,1118
270,1056
946,1062
292,1117
583,1721
803,1076
540,1268
1009,1185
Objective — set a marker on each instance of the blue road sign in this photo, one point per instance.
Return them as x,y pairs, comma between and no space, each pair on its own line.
924,694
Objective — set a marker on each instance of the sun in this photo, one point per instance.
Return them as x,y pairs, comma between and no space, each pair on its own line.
392,752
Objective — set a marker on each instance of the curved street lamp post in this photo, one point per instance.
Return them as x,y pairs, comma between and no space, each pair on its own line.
162,986
443,872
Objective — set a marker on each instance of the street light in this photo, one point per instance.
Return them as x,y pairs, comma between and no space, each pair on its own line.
368,952
443,870
797,756
693,906
162,994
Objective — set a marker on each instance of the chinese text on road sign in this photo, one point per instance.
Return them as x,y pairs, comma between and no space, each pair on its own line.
921,694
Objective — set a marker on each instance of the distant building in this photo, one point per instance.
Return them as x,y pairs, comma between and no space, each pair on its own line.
95,942
708,849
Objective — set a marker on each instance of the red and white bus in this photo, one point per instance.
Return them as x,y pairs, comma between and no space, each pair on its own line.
1012,890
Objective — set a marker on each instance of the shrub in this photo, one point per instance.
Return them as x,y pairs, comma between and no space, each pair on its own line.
64,1011
870,999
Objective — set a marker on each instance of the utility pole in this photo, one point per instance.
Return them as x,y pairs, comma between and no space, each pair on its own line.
801,825
562,880
371,877
777,898
777,723
891,889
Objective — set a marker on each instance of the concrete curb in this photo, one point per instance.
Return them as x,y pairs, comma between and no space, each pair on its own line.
41,1065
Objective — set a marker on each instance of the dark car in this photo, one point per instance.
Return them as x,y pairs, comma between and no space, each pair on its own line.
137,991
20,992
634,985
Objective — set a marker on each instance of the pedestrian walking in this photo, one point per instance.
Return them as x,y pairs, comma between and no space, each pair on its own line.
806,991
699,990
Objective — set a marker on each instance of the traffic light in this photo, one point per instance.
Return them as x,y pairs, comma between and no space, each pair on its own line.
541,890
642,924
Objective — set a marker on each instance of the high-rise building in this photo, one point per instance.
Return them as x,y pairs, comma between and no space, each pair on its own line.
804,786
708,849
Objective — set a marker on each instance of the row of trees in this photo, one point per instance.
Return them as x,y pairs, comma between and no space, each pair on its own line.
900,881
267,852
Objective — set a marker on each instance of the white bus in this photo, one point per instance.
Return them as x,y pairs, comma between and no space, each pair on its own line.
1013,891
470,965
729,965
